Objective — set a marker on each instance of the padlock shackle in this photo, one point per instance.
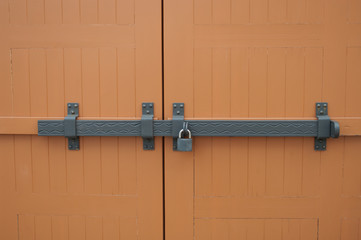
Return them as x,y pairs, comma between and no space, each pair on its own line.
182,130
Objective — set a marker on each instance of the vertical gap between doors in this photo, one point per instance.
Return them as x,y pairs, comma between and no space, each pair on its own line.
163,110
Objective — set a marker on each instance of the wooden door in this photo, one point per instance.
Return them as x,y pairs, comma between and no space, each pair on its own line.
105,55
235,59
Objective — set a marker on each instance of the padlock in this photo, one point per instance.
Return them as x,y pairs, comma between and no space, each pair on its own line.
184,144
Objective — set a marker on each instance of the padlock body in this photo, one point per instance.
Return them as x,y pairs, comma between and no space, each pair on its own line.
184,144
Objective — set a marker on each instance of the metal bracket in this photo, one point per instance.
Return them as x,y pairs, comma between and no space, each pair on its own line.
177,122
323,126
70,130
147,132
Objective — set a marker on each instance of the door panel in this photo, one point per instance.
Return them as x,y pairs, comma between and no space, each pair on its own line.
107,57
239,59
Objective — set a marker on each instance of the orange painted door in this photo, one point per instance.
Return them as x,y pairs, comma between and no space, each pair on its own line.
235,59
105,55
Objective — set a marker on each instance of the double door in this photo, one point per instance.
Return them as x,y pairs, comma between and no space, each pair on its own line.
224,59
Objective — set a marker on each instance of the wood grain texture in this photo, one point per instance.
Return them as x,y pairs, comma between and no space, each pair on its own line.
263,59
104,55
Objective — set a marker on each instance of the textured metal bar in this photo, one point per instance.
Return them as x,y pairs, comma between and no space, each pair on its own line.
217,128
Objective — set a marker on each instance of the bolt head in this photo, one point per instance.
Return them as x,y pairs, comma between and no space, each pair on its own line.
150,105
174,105
148,111
72,111
76,105
178,112
181,105
143,105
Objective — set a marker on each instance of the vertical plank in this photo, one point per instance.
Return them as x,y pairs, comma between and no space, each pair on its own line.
26,227
351,168
258,11
20,80
125,13
71,11
308,229
35,11
353,84
349,229
18,11
273,229
107,11
89,11
220,229
43,227
202,105
59,227
276,83
313,93
239,82
257,108
238,166
94,228
73,93
255,229
203,62
354,8
56,108
275,108
108,82
239,108
315,11
23,164
21,94
277,10
77,228
111,229
294,108
202,229
240,13
203,11
128,228
221,11
126,92
221,109
109,106
39,107
296,11
127,169
53,12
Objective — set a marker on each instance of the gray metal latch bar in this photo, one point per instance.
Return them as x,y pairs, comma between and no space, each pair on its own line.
147,128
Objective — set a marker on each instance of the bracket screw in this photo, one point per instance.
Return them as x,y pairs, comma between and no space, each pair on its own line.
148,112
150,105
317,147
323,146
321,112
76,105
181,105
178,112
69,106
174,105
143,105
72,112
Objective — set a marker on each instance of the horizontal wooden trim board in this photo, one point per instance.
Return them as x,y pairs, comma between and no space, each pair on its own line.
349,126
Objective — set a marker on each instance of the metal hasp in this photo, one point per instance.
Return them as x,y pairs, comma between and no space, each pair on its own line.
177,122
325,127
147,126
70,126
